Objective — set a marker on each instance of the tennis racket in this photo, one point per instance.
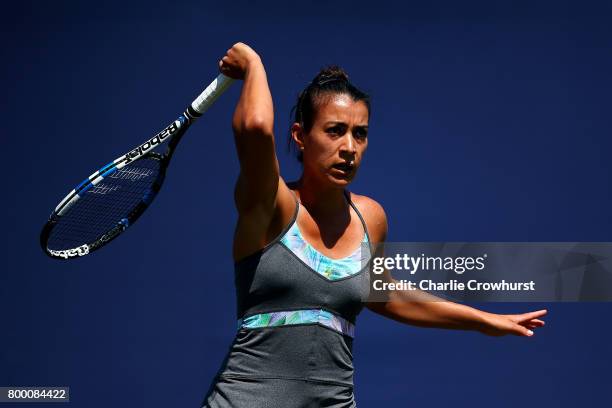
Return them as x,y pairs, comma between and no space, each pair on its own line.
110,200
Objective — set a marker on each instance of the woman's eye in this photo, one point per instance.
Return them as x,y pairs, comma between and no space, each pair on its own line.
361,133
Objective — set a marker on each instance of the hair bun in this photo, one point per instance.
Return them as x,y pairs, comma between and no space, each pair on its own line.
329,74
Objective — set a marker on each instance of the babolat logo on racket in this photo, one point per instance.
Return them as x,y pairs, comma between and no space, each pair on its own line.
156,140
69,253
84,222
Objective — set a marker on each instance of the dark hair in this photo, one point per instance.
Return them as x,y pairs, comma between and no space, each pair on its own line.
329,81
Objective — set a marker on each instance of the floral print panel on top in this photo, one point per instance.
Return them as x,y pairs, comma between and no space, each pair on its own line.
292,317
332,269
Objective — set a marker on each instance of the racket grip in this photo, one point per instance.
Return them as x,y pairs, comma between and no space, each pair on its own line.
211,93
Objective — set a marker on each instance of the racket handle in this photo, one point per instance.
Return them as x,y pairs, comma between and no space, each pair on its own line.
211,93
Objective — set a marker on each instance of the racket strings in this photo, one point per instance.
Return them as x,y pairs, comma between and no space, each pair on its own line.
105,205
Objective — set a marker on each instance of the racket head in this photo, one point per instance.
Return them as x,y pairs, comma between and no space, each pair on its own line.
109,201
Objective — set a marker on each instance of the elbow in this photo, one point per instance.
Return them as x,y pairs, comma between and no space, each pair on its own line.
256,125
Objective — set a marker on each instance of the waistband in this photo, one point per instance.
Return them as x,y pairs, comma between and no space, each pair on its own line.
295,317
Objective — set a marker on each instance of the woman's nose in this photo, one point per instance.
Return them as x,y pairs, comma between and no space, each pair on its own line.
348,144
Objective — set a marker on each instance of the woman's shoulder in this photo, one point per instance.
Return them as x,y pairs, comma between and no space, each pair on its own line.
374,216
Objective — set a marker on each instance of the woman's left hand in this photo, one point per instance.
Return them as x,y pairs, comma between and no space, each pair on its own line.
517,324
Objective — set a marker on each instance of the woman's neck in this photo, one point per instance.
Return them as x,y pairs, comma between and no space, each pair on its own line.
320,200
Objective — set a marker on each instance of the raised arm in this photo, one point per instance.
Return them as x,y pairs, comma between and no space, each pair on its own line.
257,189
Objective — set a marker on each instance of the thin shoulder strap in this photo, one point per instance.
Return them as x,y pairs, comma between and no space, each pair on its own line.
365,227
278,237
297,207
293,219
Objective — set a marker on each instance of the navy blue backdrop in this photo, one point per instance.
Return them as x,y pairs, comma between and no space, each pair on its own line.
490,122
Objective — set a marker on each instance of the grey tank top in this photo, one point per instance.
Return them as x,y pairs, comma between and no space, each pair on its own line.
297,310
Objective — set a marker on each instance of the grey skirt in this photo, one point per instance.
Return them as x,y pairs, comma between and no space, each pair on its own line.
258,392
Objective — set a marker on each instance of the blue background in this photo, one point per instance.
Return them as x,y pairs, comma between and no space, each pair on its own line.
490,122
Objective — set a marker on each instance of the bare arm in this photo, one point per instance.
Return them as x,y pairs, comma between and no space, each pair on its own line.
419,308
253,126
422,309
257,189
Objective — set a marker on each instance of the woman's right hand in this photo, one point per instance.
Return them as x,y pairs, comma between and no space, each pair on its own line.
238,60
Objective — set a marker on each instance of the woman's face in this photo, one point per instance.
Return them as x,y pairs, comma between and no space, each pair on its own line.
334,146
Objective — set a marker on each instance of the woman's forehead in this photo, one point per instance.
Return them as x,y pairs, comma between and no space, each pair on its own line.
342,108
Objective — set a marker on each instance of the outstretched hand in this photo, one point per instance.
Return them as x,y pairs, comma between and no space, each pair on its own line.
516,324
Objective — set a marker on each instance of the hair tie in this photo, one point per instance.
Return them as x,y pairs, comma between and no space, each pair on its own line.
328,80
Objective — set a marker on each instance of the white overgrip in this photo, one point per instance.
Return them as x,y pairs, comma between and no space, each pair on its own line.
211,93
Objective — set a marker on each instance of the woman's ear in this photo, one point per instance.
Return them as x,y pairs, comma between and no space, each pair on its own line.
297,134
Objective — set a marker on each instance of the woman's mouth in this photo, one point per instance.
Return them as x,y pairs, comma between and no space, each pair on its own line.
345,167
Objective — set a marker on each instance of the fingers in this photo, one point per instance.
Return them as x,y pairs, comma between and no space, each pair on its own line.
523,331
531,325
530,316
534,322
237,60
538,313
528,327
224,63
223,66
228,67
524,327
508,324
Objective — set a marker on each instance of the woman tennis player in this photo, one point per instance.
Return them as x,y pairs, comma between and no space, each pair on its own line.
298,251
